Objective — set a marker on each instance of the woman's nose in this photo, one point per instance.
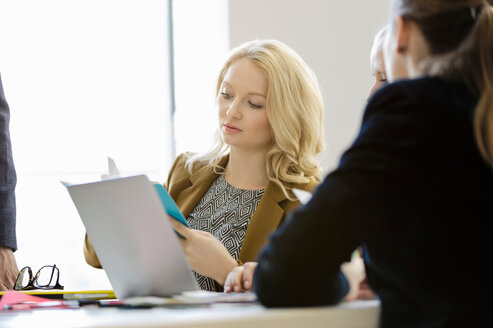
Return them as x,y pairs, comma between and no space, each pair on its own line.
234,110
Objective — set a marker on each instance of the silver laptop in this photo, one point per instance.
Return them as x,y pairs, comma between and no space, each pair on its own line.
133,238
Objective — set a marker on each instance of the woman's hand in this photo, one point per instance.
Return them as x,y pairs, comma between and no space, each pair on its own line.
240,278
365,292
354,271
206,255
8,268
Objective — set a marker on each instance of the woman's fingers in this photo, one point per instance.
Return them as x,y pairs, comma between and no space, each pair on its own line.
180,228
233,280
247,277
240,278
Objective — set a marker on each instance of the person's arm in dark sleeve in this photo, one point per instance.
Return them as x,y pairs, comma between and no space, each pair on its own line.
8,179
301,264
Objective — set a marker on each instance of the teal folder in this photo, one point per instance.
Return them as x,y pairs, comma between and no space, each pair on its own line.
169,204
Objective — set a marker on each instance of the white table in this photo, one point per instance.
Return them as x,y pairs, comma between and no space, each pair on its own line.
356,314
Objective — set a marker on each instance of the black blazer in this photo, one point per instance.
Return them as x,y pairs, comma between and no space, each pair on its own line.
8,179
414,191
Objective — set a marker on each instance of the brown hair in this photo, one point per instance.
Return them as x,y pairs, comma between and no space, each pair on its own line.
460,38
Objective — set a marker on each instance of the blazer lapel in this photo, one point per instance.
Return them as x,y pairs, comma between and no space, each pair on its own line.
264,221
200,181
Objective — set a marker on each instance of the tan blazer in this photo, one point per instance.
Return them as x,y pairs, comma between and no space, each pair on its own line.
188,189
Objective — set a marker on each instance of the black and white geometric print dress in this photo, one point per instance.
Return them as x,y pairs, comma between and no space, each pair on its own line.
224,211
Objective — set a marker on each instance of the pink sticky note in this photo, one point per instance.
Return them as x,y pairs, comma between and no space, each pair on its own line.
14,297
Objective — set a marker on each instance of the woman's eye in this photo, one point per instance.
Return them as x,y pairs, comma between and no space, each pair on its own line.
226,95
255,106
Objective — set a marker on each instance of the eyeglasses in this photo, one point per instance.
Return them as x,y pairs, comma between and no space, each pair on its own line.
46,278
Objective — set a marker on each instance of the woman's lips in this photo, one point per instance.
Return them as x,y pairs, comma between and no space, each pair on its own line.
230,128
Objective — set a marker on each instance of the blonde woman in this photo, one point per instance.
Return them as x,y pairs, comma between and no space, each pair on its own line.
269,132
353,270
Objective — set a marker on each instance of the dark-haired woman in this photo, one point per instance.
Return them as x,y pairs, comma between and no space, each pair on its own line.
415,189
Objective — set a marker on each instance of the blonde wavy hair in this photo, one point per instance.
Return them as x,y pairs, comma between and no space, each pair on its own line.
294,108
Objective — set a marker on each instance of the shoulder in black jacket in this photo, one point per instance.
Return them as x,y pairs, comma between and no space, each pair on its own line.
414,192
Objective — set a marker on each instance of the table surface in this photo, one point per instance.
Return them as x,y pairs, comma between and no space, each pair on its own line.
356,314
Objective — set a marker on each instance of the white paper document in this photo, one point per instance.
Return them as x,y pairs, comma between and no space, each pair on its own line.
303,196
113,171
194,297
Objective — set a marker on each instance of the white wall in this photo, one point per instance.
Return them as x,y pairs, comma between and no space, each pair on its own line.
200,46
334,38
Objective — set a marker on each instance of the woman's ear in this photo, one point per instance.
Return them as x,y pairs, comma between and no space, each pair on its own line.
403,29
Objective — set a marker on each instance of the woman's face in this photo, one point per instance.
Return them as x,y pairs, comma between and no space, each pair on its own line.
405,47
241,105
377,65
394,61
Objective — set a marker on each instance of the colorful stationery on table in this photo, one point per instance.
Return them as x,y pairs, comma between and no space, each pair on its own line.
69,295
28,300
19,301
200,297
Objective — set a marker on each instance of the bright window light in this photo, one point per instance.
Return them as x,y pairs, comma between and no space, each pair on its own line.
201,43
84,79
87,79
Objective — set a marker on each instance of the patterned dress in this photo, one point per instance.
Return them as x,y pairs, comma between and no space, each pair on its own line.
224,211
